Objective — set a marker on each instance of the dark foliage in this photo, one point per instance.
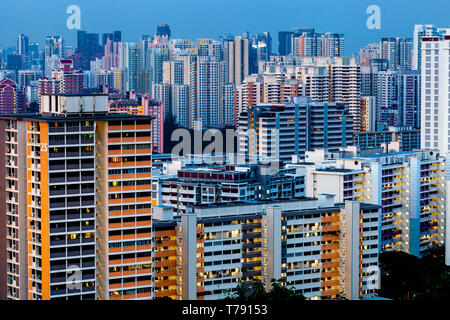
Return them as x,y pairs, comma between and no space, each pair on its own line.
407,277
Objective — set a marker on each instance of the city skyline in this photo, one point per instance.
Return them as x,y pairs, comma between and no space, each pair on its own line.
324,16
332,182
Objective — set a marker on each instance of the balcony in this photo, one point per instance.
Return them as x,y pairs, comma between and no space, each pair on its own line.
251,264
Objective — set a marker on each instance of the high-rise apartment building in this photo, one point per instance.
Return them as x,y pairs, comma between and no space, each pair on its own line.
210,78
421,31
280,131
232,182
64,79
134,67
410,100
407,138
27,76
368,114
388,105
316,82
181,104
332,45
138,78
408,185
161,92
315,246
267,88
210,48
22,45
88,45
404,46
226,111
154,62
137,104
388,51
173,72
305,42
397,51
237,59
369,52
435,107
345,86
163,29
155,109
12,97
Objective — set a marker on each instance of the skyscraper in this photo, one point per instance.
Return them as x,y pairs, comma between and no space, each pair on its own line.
421,31
332,45
12,98
88,45
435,108
435,111
54,45
280,131
306,42
392,181
211,75
22,45
263,44
63,79
134,67
161,92
69,209
388,51
345,86
284,42
410,101
388,105
211,48
115,36
163,29
397,51
369,52
404,46
154,62
237,59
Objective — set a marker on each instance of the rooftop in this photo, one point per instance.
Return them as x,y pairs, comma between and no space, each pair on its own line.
91,117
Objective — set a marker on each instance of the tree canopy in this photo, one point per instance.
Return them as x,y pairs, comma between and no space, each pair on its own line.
407,277
258,291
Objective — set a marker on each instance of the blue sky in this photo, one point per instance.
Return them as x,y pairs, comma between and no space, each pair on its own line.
211,18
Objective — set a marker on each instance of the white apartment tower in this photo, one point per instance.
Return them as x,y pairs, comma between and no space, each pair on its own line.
435,113
435,124
421,31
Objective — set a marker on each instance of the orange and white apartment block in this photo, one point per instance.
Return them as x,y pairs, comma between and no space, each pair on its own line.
76,213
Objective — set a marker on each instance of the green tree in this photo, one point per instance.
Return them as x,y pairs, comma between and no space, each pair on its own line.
170,125
407,277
